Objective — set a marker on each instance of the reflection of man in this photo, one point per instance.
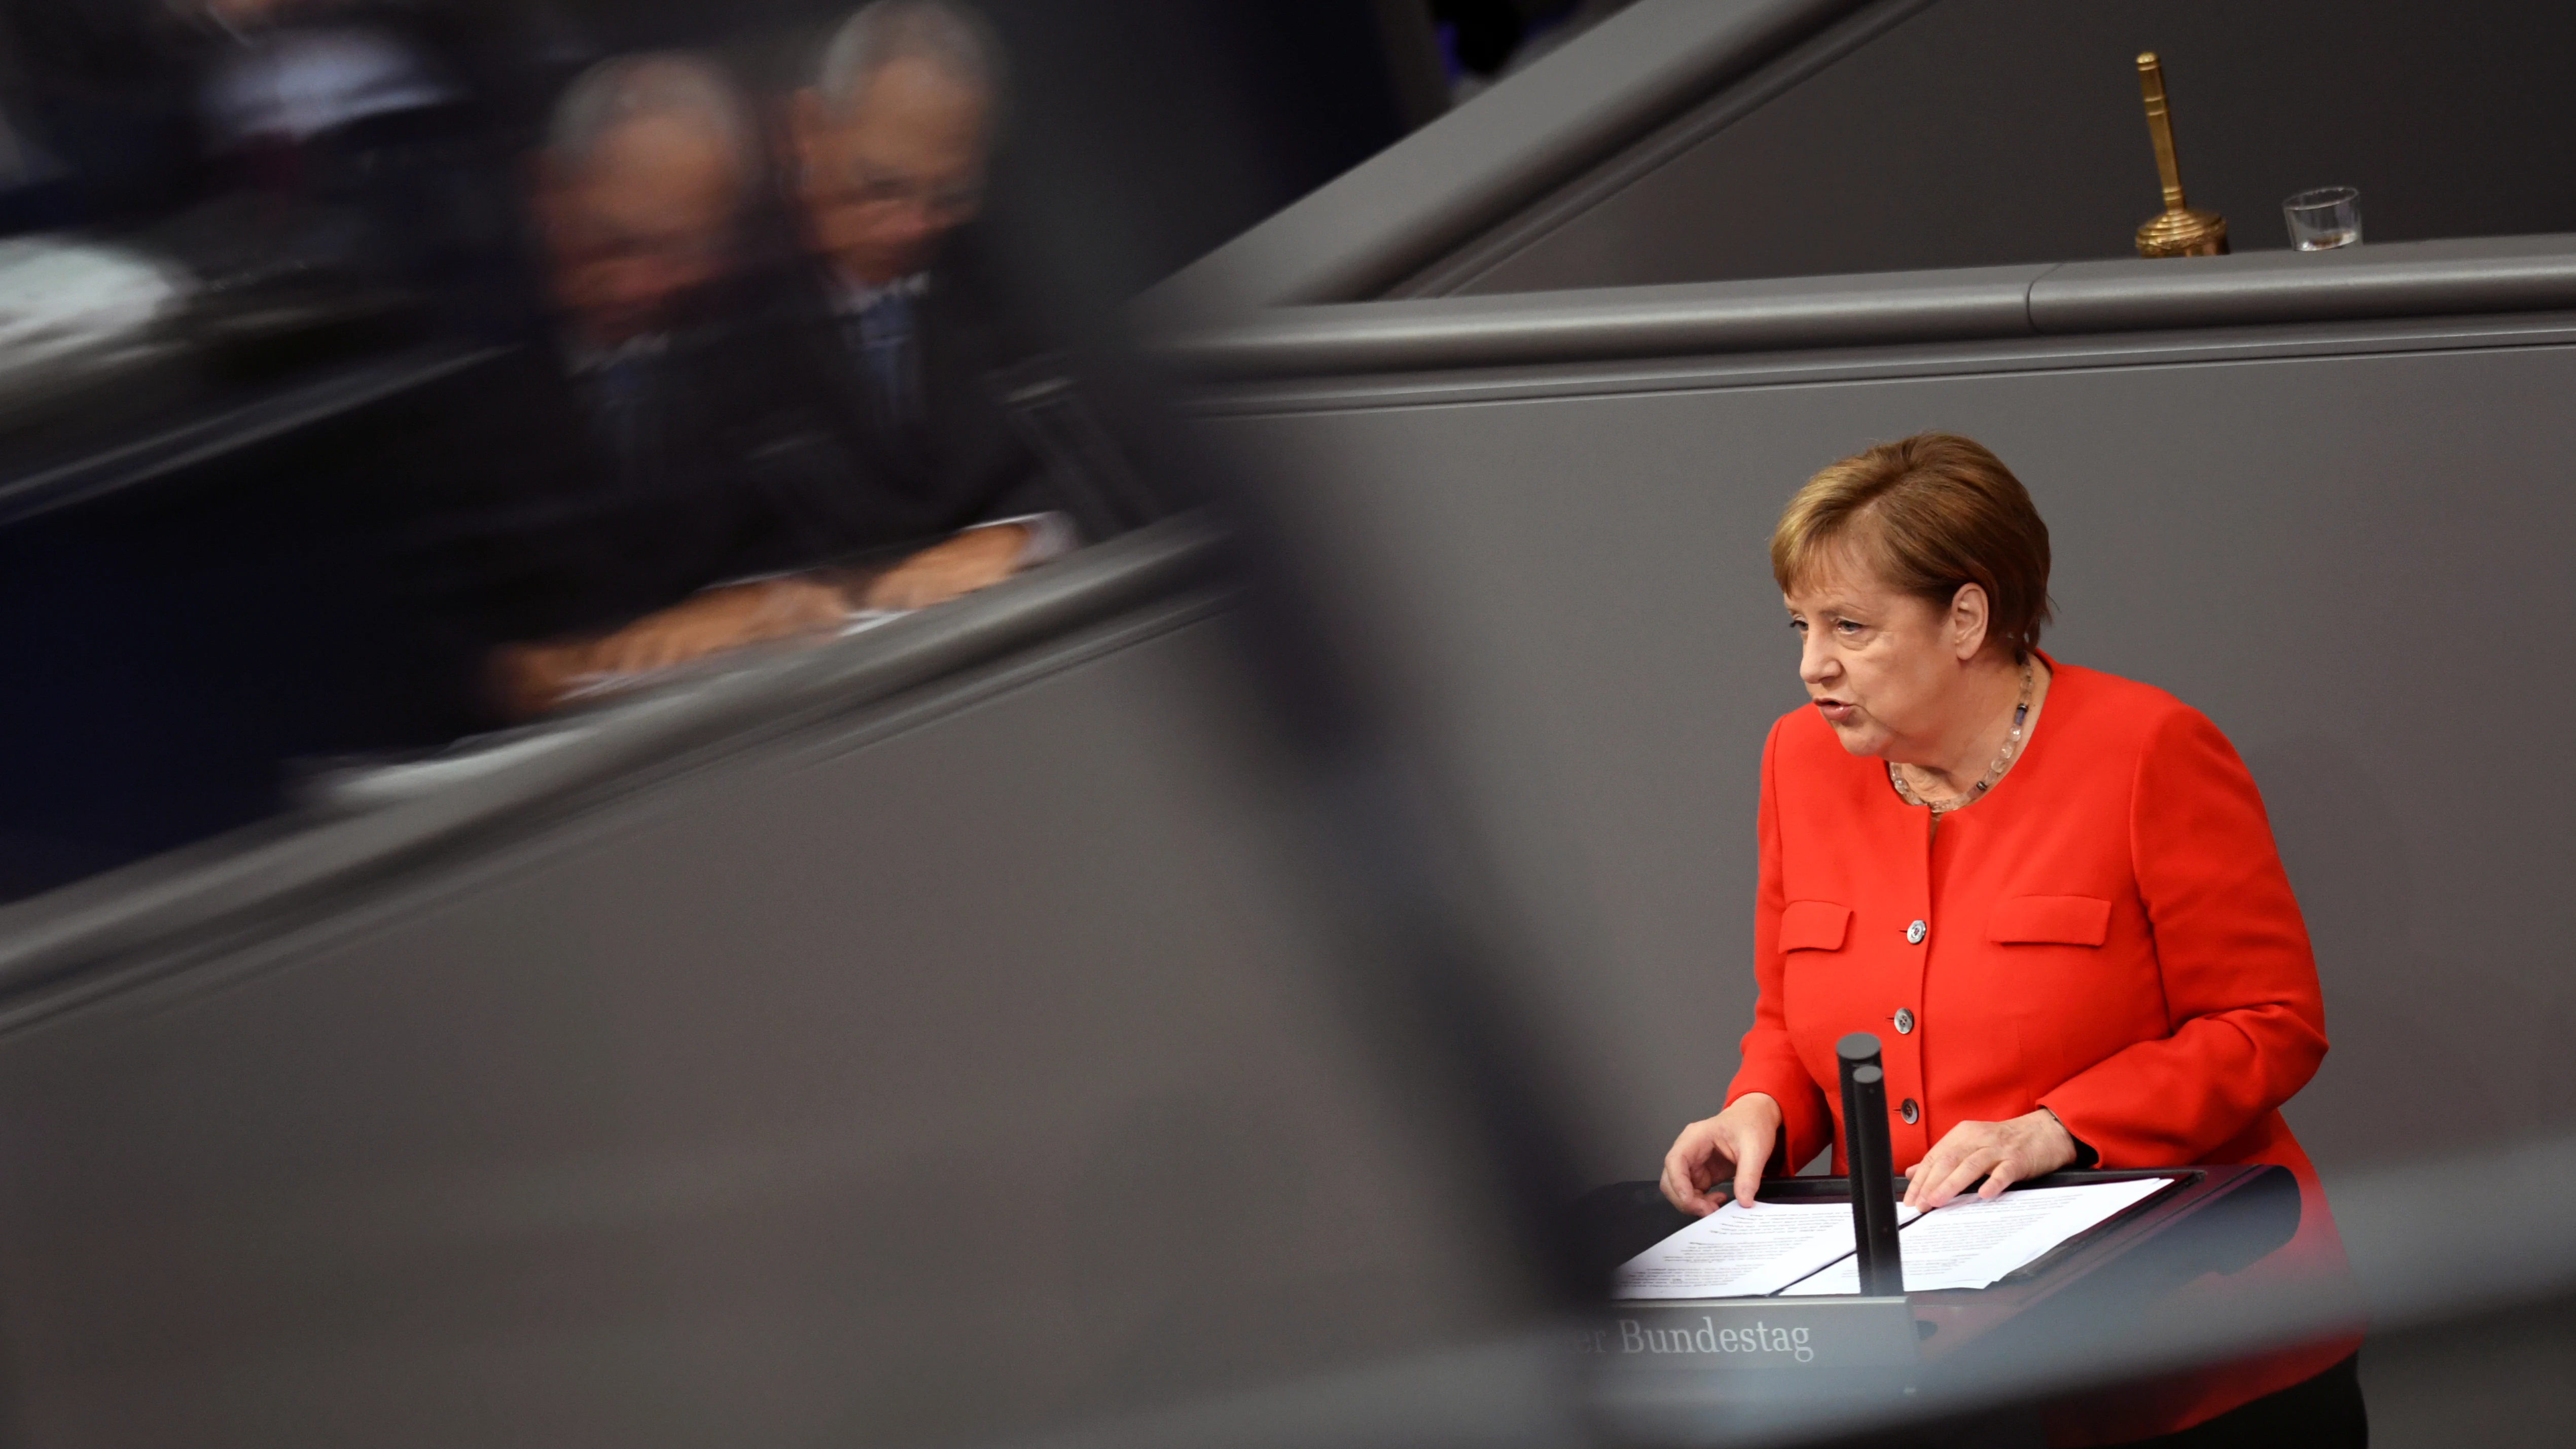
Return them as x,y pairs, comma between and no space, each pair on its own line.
637,202
889,145
630,464
645,169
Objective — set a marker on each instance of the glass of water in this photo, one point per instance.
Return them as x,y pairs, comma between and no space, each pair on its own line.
2324,219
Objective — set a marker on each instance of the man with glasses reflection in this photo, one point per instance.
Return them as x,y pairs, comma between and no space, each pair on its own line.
888,147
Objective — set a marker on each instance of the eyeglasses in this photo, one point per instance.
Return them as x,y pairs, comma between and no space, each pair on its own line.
877,192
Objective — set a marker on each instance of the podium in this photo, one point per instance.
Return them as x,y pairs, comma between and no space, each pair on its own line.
2208,1219
1694,1354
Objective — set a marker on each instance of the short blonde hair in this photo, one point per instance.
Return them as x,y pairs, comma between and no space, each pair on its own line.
1926,515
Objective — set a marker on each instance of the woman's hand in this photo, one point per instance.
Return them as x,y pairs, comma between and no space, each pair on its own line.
2002,1153
1734,1143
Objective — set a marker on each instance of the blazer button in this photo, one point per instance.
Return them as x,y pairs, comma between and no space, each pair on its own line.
1904,1021
1907,1110
1915,933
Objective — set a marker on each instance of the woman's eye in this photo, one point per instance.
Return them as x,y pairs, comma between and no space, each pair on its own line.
1846,627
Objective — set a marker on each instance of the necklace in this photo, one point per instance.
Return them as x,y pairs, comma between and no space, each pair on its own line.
1994,772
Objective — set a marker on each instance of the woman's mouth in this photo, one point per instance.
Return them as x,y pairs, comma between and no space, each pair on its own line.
1836,711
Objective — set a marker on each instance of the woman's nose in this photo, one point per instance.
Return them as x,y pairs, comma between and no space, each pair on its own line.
1815,662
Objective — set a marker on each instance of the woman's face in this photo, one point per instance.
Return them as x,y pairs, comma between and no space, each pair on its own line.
1885,668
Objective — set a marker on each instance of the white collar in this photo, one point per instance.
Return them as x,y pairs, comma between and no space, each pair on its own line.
850,298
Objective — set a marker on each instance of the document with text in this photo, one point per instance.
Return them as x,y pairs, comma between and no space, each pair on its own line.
1971,1242
1741,1252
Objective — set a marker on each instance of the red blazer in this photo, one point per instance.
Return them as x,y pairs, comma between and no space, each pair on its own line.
2108,934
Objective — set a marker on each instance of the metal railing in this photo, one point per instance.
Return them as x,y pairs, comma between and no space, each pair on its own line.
303,862
2404,279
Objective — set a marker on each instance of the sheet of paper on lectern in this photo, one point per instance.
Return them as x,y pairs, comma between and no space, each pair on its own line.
1741,1252
1971,1242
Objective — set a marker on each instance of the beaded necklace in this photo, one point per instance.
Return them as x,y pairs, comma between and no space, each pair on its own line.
1994,772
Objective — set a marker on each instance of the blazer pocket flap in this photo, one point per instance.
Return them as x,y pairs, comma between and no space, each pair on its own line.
1813,926
2052,920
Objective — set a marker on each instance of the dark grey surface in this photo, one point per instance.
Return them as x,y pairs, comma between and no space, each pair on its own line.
1687,140
2460,278
968,1065
1566,201
1995,132
1470,168
2351,556
2503,1383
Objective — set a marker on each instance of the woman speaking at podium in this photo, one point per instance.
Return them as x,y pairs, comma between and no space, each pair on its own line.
2052,893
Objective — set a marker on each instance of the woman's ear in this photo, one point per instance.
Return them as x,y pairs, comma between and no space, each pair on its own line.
1969,619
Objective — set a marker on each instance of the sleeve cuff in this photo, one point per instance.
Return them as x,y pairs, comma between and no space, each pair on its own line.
1051,536
1806,1128
2085,1156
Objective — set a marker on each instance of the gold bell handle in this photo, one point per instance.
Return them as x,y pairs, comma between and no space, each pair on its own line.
2151,84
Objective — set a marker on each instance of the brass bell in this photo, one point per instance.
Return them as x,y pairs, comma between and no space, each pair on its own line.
2180,231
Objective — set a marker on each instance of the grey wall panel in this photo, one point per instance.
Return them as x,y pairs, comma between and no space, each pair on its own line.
1993,132
2355,564
950,1072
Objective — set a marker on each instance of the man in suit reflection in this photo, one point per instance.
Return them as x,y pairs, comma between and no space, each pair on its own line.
621,463
888,150
883,340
